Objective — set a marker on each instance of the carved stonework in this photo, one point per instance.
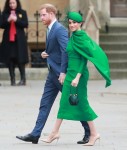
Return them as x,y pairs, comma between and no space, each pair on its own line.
92,26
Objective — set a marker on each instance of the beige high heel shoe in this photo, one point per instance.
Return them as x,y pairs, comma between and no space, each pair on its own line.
51,138
92,140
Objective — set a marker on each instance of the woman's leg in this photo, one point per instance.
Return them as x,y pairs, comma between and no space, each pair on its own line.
57,126
93,134
22,74
54,135
93,131
11,67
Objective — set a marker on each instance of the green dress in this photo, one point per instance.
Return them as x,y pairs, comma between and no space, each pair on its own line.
78,55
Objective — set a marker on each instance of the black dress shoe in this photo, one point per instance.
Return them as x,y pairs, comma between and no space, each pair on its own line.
84,140
29,138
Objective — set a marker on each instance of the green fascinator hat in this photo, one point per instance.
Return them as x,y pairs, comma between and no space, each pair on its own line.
75,16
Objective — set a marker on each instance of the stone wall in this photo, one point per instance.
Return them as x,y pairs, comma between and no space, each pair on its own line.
31,6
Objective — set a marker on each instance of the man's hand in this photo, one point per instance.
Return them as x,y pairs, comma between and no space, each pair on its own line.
44,55
61,78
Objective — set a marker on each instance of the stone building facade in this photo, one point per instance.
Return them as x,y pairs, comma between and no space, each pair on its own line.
114,12
107,13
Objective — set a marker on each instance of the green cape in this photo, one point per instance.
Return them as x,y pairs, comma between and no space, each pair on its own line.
84,45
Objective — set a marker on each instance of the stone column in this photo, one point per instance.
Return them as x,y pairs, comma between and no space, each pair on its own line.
104,11
74,5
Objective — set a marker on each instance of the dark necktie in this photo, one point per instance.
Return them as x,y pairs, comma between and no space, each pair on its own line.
47,33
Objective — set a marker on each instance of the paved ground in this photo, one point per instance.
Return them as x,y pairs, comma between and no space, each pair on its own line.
19,109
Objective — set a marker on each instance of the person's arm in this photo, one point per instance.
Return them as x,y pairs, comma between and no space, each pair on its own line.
62,37
80,70
4,20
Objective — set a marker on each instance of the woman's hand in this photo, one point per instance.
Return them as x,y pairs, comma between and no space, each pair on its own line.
12,18
76,80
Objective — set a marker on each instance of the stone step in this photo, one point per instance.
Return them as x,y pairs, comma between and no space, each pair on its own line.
116,29
118,73
119,55
113,45
113,37
31,74
118,64
41,73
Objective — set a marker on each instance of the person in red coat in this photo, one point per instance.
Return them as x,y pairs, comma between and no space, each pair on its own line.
13,49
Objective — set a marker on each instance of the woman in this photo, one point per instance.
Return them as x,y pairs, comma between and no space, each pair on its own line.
13,48
80,49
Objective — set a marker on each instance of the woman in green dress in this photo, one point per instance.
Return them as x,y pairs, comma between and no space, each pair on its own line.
80,49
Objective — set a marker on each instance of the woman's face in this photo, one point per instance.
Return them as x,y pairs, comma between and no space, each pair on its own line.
13,4
74,26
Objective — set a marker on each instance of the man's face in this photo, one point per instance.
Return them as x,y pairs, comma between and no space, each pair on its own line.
45,16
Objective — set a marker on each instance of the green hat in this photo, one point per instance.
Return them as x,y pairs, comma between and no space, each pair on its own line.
75,16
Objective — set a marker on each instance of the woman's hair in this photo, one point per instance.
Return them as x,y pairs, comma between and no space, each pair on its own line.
7,7
49,8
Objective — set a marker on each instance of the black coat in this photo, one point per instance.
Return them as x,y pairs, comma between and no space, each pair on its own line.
21,41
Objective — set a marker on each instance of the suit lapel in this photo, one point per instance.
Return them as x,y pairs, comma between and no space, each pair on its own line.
51,33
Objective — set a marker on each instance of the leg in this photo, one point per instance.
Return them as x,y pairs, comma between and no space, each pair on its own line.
86,133
51,90
93,131
86,128
93,134
22,74
11,67
55,132
57,126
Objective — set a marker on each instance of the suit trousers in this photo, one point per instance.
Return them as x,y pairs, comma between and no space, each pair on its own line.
51,90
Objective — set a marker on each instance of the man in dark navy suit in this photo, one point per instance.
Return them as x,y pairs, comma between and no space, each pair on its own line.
55,53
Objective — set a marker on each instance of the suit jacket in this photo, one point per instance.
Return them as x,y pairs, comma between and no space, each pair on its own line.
56,48
21,41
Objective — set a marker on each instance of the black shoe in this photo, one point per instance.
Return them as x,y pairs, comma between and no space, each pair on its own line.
29,138
22,82
13,82
84,140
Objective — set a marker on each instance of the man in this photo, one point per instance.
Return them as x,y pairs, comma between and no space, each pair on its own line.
56,42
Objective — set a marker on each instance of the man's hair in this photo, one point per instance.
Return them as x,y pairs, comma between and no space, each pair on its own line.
49,8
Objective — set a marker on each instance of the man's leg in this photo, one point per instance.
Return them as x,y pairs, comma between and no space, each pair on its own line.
47,101
86,133
50,92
